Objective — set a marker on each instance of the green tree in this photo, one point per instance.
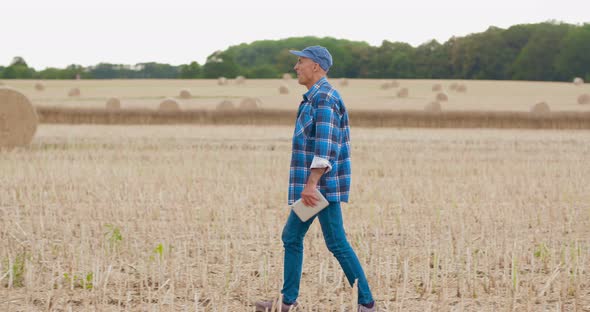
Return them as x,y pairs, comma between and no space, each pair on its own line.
573,59
190,71
18,69
220,64
537,59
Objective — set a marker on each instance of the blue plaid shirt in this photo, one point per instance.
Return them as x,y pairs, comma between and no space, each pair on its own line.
321,130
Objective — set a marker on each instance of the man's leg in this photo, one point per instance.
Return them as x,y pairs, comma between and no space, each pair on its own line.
293,235
333,230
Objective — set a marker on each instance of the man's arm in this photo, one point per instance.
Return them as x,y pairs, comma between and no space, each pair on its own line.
308,195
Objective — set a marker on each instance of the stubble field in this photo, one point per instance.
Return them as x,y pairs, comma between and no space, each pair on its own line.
188,218
359,94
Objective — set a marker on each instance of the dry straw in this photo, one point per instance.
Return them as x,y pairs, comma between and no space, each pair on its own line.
113,104
287,76
249,103
441,97
283,89
169,105
584,99
185,94
578,81
240,80
18,119
74,92
541,108
403,93
433,107
437,87
225,105
39,86
222,81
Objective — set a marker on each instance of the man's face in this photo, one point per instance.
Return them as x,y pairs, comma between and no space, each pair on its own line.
305,68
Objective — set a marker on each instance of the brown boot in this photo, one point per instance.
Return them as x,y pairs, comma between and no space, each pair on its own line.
272,305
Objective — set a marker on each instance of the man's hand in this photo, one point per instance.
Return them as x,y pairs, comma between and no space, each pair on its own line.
308,195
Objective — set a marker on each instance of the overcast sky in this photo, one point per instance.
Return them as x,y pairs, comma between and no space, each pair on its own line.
57,33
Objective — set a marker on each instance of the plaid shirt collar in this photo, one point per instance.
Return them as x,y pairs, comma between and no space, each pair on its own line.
314,89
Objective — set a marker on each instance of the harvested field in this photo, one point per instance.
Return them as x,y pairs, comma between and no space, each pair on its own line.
361,94
166,218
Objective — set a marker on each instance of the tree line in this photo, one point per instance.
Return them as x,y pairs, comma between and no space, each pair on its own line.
550,51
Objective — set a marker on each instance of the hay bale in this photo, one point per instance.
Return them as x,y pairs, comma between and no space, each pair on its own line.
453,86
441,97
169,105
433,107
578,81
584,99
403,93
287,76
389,84
222,81
240,80
225,105
185,94
437,87
74,92
18,119
113,104
39,86
283,89
344,82
461,88
541,108
249,103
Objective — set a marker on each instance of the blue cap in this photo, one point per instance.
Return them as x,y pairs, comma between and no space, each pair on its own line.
317,54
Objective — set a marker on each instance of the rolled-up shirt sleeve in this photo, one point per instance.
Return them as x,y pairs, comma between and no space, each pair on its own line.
319,162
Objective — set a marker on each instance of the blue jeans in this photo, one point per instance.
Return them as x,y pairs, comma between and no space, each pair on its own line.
335,237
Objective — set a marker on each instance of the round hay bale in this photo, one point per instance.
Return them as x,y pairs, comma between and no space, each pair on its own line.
441,97
461,88
39,86
74,92
18,119
403,93
389,84
578,81
287,76
249,103
453,86
169,105
584,99
541,108
185,94
225,105
283,89
113,104
344,82
222,81
240,80
433,107
437,87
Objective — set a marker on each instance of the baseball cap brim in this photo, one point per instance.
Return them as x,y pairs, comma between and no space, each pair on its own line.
301,53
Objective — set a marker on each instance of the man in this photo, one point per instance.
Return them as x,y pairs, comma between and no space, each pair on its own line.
320,160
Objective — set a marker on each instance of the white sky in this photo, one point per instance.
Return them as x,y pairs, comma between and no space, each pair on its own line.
57,33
